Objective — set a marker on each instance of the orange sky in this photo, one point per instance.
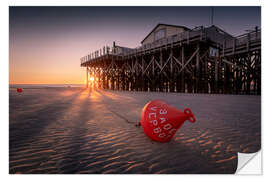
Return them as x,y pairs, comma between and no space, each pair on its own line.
48,62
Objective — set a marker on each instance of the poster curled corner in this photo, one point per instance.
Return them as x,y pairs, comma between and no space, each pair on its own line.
249,163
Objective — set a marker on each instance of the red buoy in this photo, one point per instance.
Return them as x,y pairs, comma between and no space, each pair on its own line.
160,121
19,90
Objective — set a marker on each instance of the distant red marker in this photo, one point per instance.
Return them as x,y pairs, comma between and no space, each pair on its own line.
160,121
19,90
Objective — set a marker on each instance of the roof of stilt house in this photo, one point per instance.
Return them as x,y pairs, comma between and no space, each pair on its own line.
170,25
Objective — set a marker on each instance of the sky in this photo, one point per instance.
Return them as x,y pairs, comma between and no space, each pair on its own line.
46,43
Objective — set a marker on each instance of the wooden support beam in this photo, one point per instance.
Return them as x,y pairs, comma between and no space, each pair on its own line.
172,79
183,73
161,80
216,75
161,68
230,63
171,62
206,90
148,65
87,83
153,66
177,61
189,60
197,77
169,58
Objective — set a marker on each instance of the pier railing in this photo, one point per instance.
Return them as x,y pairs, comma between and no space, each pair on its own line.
242,43
243,39
201,34
184,36
106,50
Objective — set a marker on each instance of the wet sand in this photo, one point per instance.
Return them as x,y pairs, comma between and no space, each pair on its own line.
74,130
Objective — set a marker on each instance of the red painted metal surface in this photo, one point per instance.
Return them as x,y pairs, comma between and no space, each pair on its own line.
19,90
160,121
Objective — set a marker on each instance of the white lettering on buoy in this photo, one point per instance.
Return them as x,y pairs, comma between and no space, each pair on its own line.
154,114
162,135
162,111
157,130
162,120
167,126
155,122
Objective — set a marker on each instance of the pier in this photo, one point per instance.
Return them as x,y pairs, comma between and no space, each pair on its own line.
199,60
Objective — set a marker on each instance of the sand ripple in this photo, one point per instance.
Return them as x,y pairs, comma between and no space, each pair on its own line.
75,131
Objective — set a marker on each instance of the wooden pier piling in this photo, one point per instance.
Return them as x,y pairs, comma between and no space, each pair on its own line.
200,61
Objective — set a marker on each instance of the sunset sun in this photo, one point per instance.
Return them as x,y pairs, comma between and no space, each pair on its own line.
92,79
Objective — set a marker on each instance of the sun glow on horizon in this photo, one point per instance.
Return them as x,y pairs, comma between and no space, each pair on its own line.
92,79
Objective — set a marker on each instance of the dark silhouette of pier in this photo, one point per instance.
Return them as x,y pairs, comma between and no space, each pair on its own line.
200,60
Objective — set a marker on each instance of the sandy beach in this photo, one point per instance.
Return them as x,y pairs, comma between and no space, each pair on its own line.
77,130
